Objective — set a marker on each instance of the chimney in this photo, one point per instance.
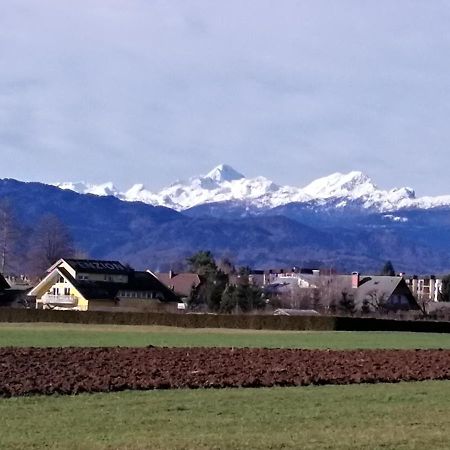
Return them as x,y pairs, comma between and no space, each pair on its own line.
170,274
355,280
414,285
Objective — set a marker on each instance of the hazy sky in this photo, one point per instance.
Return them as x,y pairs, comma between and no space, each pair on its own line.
152,91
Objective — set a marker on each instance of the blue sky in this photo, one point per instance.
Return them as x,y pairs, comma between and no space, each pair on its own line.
152,91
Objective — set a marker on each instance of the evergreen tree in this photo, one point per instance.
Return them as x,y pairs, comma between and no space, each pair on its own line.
202,263
250,298
216,292
214,283
241,298
194,299
228,299
388,269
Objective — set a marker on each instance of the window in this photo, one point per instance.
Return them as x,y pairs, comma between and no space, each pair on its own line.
66,291
61,279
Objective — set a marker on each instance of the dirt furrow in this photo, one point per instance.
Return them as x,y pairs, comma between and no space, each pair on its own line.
26,371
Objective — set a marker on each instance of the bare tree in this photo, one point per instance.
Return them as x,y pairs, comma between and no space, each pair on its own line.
423,300
375,301
347,303
331,289
50,241
9,236
226,266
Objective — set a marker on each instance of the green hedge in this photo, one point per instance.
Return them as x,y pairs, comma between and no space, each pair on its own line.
371,324
176,320
257,322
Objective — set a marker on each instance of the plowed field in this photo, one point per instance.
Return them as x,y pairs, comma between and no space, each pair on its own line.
73,370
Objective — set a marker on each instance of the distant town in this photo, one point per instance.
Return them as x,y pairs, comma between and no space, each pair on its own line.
210,286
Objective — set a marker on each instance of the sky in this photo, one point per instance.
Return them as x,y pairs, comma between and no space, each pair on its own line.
152,91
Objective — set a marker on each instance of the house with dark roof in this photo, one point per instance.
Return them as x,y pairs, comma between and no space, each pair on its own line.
14,295
81,284
382,292
369,293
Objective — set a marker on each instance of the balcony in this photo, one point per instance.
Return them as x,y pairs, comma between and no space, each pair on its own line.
59,300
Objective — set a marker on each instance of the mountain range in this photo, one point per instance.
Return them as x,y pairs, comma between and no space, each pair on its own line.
343,221
225,184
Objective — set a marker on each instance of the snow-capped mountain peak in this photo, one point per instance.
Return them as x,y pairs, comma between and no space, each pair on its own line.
135,190
81,187
402,193
353,184
224,172
225,184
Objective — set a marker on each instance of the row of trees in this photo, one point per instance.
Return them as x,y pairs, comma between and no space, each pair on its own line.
30,250
224,288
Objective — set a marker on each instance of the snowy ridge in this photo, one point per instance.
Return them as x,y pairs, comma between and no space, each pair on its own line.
224,184
87,188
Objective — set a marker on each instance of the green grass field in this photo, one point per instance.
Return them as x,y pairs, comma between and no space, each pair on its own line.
397,416
55,335
400,416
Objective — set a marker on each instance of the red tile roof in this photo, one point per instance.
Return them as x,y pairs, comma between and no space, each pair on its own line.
180,283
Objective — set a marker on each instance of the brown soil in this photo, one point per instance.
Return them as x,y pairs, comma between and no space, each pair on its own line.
25,371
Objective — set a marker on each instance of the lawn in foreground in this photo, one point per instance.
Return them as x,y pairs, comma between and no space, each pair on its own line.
395,416
63,335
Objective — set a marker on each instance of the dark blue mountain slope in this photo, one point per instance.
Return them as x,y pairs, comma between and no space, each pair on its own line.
157,237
